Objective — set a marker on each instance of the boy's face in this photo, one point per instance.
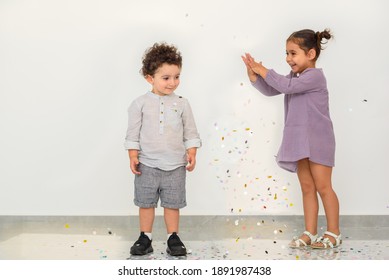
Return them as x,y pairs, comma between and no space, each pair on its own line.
165,80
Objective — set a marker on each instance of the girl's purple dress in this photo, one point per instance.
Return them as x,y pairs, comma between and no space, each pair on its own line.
308,131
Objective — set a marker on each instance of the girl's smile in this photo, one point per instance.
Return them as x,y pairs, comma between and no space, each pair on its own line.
298,59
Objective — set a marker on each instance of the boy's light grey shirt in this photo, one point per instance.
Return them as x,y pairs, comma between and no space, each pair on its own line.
162,128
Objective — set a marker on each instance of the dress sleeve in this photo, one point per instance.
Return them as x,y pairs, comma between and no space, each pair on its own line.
261,85
306,81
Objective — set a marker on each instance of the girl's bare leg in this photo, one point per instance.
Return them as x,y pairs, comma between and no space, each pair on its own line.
322,178
310,200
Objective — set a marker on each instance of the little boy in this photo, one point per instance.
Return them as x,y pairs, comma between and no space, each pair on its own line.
162,142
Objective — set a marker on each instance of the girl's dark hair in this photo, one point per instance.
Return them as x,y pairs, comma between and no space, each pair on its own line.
308,39
159,54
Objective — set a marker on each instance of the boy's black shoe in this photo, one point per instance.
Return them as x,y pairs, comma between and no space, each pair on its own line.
174,246
142,246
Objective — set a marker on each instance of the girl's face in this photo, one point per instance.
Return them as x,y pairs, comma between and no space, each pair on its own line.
298,59
165,80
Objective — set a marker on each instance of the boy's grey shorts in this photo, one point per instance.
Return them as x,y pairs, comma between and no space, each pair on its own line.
155,183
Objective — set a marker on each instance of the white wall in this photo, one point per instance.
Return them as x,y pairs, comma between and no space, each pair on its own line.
69,70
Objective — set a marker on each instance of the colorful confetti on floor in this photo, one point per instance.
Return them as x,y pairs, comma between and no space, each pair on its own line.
230,238
75,247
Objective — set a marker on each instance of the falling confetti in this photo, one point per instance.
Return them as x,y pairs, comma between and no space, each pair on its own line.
67,226
236,165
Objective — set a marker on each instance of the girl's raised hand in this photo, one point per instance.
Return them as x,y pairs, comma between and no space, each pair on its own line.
254,68
248,61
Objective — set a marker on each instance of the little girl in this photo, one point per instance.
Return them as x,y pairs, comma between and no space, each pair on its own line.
308,144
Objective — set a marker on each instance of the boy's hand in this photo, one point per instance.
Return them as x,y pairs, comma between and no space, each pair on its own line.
134,161
191,158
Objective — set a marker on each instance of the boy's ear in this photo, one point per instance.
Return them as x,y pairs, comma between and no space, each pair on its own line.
312,54
149,79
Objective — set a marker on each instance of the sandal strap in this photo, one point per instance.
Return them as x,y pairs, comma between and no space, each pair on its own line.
325,241
338,238
310,235
298,241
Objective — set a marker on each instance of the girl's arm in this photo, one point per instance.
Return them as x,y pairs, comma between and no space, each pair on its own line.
264,88
309,80
257,73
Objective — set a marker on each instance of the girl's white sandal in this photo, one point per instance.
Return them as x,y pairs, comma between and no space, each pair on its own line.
299,243
325,242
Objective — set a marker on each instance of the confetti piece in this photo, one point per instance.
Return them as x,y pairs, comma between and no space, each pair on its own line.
275,196
237,239
67,226
85,241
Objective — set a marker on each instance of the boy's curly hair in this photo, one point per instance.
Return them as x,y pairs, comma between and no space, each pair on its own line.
157,55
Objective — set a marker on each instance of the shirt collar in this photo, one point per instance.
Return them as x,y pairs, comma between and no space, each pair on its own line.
153,95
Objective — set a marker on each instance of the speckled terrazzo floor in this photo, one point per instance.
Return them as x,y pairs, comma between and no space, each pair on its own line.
206,238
